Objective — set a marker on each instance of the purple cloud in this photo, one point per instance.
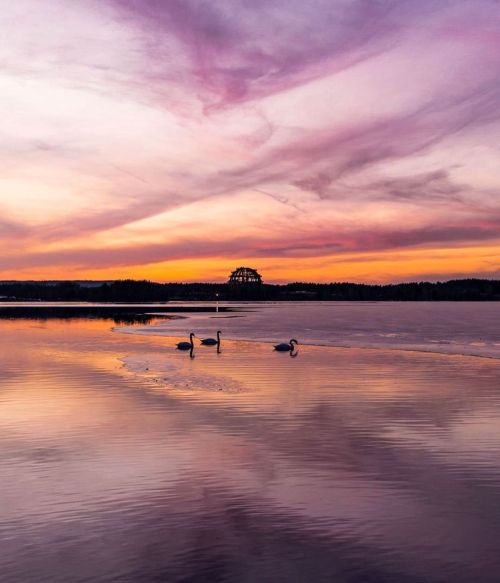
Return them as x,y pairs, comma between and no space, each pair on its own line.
142,111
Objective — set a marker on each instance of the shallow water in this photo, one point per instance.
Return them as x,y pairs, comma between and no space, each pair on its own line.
122,459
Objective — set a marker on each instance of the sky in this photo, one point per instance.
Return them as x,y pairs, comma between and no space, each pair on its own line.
326,140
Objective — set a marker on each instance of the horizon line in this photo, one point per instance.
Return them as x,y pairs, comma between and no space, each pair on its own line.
338,282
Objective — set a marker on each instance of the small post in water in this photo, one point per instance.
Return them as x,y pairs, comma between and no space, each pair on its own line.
217,303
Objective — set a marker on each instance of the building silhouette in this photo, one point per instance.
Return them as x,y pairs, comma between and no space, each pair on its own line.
245,276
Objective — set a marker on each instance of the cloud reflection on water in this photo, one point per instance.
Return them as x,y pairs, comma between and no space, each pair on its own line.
347,464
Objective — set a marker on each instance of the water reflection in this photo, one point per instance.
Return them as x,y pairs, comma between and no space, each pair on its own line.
119,314
343,465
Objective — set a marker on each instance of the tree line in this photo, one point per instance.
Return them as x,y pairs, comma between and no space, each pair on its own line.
147,291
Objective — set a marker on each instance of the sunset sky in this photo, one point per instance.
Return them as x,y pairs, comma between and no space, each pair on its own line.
317,140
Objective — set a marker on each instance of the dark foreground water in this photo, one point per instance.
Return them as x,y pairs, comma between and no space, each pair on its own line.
124,460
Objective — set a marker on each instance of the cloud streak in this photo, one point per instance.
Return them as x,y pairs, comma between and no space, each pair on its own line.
143,132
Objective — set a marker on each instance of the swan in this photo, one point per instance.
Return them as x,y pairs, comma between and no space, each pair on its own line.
187,345
212,341
284,347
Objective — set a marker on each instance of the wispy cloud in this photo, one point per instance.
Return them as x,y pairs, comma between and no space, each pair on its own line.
351,127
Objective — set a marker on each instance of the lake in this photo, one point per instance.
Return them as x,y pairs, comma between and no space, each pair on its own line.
372,455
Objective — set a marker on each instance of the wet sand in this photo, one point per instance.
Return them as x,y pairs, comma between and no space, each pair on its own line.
339,464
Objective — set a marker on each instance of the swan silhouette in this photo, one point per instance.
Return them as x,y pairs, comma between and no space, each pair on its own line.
284,347
187,345
212,341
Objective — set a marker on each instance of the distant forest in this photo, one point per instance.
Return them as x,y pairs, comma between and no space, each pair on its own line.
147,291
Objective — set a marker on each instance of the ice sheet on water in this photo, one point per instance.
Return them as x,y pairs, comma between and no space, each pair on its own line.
450,327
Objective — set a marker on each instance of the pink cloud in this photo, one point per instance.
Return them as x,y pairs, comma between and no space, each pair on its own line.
135,109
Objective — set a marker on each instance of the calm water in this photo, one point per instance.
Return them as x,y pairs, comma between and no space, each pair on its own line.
124,460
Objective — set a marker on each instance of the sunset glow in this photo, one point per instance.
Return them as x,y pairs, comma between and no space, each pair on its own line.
316,141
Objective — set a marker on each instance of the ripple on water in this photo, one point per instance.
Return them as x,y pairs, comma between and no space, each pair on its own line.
340,464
